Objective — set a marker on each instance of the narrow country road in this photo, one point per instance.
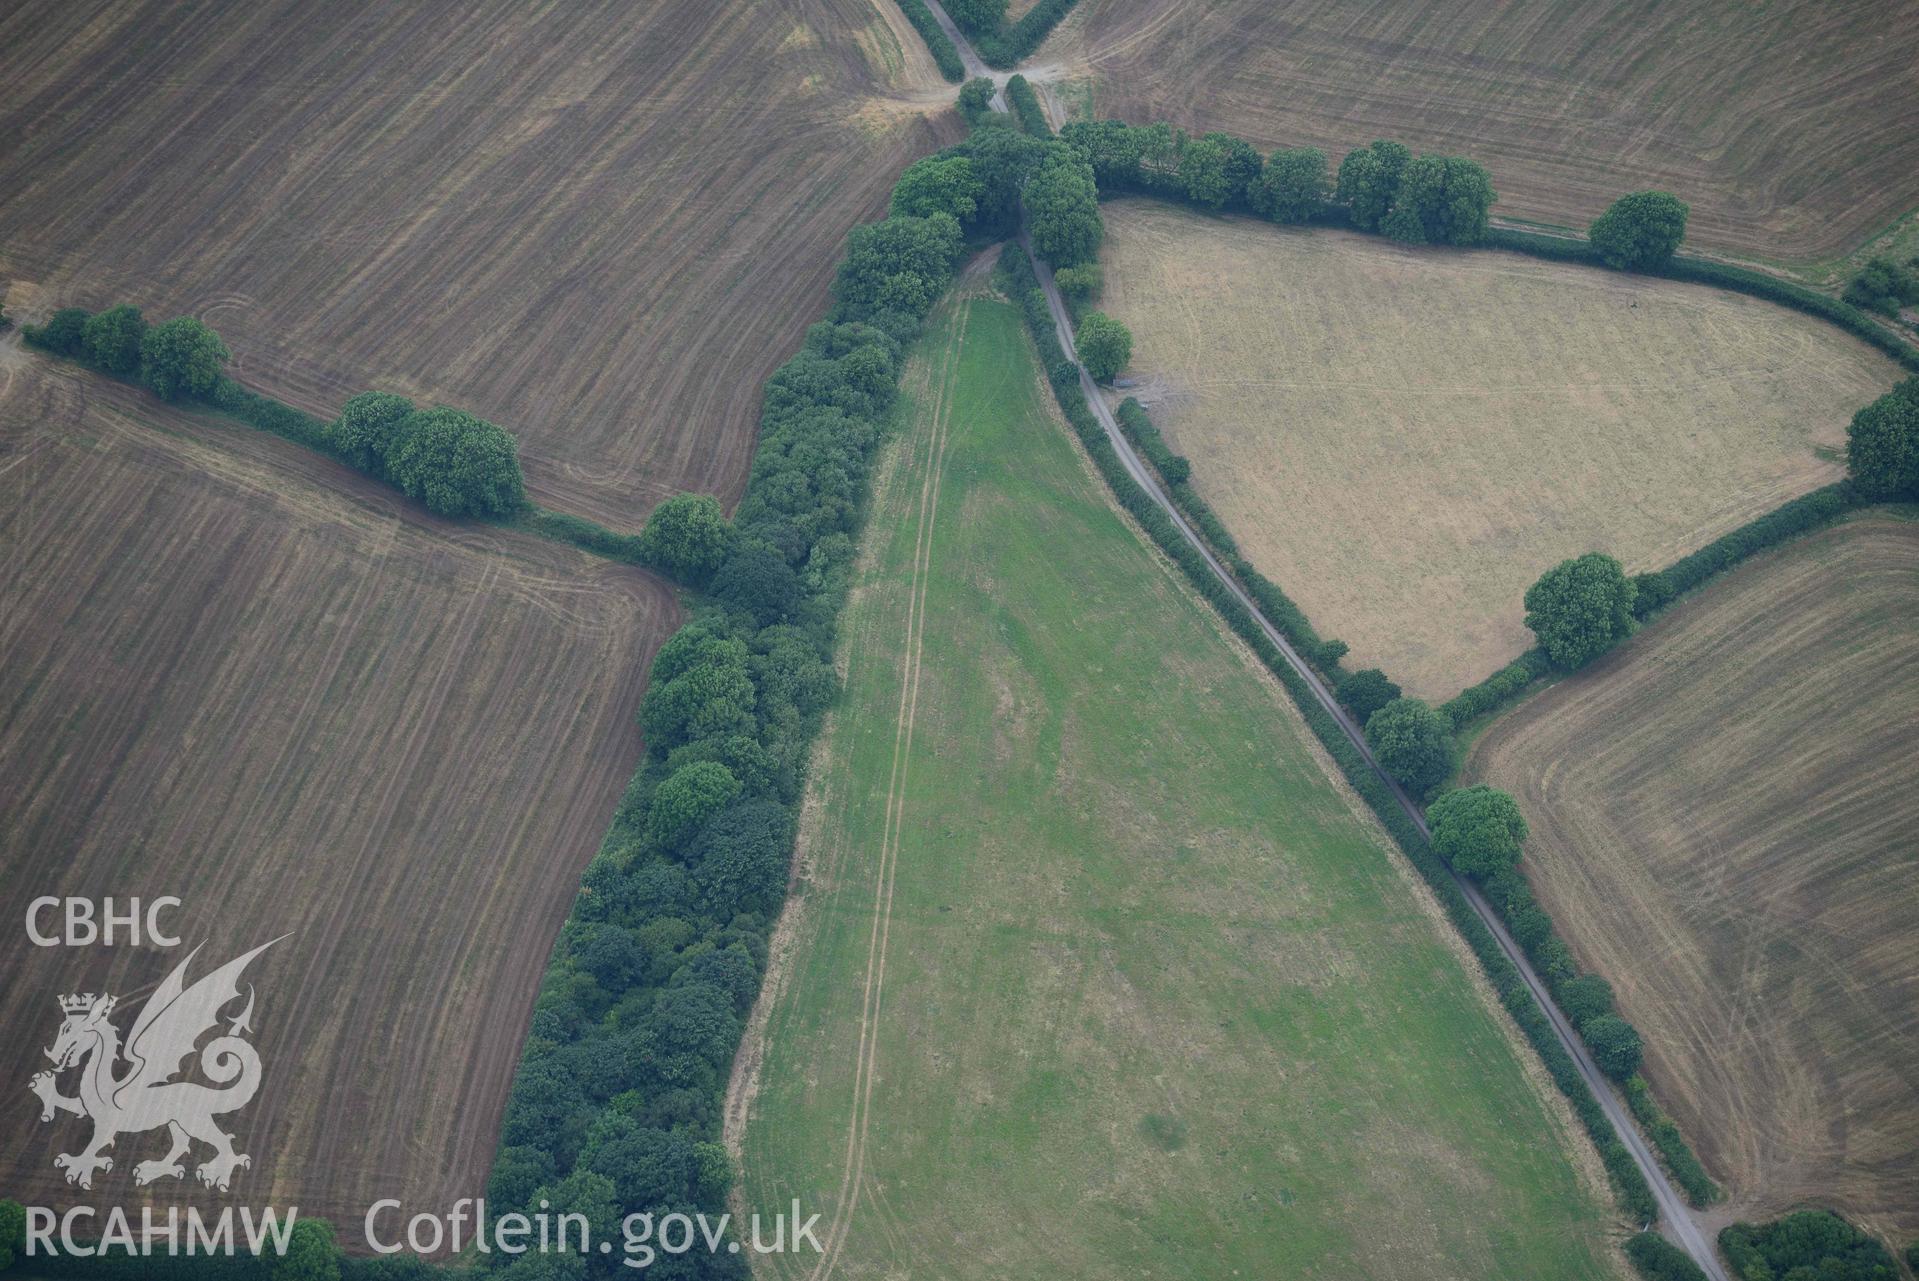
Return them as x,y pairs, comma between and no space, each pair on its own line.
1675,1216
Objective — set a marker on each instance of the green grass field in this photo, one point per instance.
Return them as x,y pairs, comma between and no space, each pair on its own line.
1093,971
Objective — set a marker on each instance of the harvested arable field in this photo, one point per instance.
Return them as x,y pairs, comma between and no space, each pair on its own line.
1405,439
599,224
1723,814
1791,128
239,674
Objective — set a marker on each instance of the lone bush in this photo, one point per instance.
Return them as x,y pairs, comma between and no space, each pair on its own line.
1478,830
182,358
1615,1045
1082,283
369,424
457,464
1882,444
1104,345
1412,741
1640,232
112,339
1293,187
976,99
1365,692
1585,998
64,334
1580,608
686,537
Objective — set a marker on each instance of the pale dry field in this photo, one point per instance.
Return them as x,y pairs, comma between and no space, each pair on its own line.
1405,439
1723,815
236,673
600,224
1792,128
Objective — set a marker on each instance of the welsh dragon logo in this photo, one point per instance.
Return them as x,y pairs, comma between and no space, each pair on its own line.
145,1096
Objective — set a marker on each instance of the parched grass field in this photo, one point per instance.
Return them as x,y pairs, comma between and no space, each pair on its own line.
1791,128
1723,814
1093,970
238,674
600,224
1406,439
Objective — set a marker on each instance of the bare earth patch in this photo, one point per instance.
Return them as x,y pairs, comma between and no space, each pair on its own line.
1722,818
238,674
1405,439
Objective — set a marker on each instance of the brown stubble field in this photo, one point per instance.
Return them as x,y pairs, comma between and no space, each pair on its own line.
600,224
1722,824
1405,439
239,674
1791,128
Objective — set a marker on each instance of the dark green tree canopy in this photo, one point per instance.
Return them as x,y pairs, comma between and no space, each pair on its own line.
1104,346
757,579
1365,692
977,17
1294,186
64,333
689,796
1218,169
1882,444
182,358
945,183
1412,741
1063,207
1615,1045
900,264
1585,998
1884,286
686,537
457,464
368,424
976,99
1580,608
1478,830
1640,232
1369,181
112,339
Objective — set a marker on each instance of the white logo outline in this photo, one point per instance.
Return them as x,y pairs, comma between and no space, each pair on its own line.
146,1097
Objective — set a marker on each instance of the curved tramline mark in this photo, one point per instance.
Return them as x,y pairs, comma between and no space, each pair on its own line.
867,1052
1678,1219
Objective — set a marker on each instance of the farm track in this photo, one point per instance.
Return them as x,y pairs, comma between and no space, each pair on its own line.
599,226
846,1204
241,674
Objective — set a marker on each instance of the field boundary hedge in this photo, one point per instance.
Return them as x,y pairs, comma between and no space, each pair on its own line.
946,55
1013,41
1660,589
1026,108
1634,1194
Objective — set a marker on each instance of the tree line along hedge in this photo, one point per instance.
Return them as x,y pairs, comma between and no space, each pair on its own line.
616,1105
455,463
1635,1196
946,55
1026,108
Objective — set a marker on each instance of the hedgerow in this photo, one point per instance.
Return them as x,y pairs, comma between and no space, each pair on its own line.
945,53
1007,46
1026,108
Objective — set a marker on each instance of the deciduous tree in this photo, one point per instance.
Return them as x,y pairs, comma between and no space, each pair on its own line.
1104,346
687,537
1580,608
1412,741
1478,830
112,339
1293,187
1641,231
182,358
